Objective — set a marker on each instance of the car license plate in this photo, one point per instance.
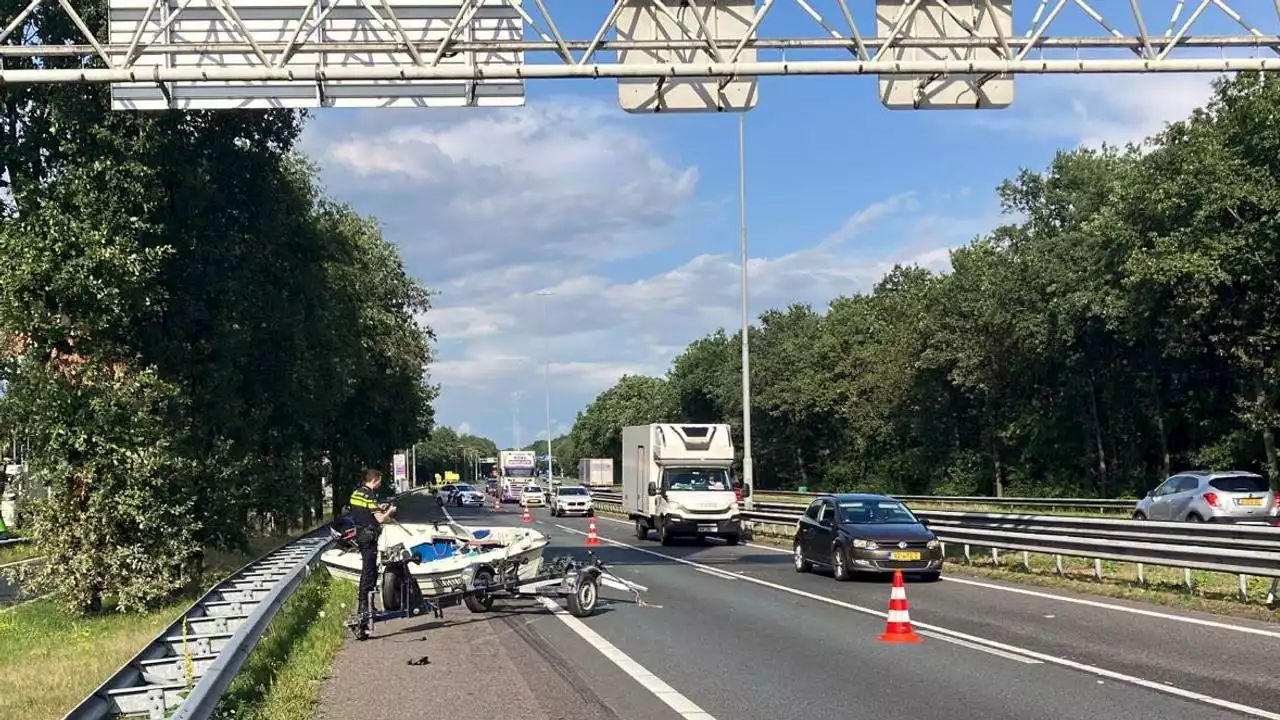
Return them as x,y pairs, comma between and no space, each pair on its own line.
904,555
1250,502
707,528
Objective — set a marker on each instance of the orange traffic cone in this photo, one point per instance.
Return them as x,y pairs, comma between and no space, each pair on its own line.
897,629
524,516
591,532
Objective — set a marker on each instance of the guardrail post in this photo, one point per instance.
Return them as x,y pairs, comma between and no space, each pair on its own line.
967,557
1057,564
1026,560
1244,588
995,556
1187,579
1097,569
1142,580
1271,594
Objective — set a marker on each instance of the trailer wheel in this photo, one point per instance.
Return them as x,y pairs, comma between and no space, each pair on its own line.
392,585
480,601
583,601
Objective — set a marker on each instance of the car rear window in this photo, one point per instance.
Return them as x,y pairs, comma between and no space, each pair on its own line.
1241,483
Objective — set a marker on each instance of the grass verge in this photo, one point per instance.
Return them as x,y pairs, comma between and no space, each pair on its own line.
281,678
17,553
50,661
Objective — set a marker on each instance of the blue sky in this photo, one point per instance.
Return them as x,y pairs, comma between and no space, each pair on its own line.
630,221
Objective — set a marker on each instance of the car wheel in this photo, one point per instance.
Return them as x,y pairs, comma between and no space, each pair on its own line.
840,564
1139,516
797,559
664,535
1194,518
732,539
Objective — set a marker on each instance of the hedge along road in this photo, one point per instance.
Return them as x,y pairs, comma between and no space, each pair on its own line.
742,635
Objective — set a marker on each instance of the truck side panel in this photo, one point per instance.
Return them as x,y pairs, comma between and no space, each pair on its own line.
636,461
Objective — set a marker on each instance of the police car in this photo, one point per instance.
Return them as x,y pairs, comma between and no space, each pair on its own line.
466,496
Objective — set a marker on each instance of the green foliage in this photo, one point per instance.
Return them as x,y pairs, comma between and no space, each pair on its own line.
195,338
444,449
1121,328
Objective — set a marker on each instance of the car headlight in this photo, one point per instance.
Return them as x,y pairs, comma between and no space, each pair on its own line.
933,544
675,508
865,544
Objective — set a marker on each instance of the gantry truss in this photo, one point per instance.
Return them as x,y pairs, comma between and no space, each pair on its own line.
667,55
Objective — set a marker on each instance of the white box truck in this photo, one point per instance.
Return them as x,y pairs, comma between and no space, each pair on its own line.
596,472
675,480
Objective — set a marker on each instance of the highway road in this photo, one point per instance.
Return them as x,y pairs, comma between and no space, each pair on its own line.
736,633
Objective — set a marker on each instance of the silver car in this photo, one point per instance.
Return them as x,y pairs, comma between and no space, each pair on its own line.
1200,496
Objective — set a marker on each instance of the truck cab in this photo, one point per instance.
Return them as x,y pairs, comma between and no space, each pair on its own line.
676,480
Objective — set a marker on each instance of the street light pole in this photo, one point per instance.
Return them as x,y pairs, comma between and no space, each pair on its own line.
748,475
546,372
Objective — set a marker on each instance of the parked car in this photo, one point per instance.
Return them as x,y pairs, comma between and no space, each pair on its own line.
865,533
570,499
1231,496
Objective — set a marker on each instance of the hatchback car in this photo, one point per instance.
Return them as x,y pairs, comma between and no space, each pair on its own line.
865,533
1199,496
570,499
532,495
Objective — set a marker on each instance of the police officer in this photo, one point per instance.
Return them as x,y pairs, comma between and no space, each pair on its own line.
368,515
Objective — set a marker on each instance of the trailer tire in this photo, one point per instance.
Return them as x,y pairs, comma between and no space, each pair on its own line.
392,585
483,601
584,598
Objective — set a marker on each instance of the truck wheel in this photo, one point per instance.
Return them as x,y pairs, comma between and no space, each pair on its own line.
642,530
732,539
664,535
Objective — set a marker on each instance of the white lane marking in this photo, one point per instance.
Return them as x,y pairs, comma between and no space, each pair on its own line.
973,646
1090,603
1092,670
717,573
683,706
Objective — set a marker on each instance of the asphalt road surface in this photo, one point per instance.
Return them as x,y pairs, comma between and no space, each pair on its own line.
737,633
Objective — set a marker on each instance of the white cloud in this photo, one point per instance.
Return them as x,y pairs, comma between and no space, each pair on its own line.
1090,110
565,179
491,208
464,428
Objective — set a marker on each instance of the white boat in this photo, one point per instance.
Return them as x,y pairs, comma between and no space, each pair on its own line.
446,551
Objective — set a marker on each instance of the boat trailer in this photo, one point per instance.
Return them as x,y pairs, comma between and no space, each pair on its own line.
575,582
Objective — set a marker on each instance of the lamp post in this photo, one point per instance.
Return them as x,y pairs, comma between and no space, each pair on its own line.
546,372
748,476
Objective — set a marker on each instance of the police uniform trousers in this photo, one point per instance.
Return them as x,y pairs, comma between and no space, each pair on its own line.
367,542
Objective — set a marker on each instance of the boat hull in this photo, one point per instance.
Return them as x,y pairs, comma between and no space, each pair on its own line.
443,575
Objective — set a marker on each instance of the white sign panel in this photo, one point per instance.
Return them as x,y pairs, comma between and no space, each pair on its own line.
989,20
519,459
375,34
659,20
398,465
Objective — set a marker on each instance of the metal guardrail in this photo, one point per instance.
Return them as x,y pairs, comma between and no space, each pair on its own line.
11,542
1238,549
184,671
1022,502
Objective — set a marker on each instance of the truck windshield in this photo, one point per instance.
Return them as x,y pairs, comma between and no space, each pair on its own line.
518,472
695,479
